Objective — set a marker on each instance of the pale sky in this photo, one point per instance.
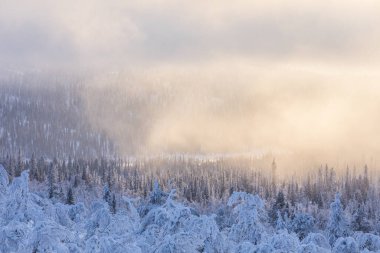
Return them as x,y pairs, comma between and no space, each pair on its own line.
305,73
129,33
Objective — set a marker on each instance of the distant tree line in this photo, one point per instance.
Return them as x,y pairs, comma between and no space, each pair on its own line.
205,181
48,118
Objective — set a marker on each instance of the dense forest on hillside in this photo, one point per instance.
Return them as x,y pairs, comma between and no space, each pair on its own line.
61,162
47,119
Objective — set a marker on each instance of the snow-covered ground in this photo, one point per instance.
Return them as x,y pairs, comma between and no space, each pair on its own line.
30,223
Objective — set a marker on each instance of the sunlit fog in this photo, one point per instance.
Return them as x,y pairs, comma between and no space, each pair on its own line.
219,77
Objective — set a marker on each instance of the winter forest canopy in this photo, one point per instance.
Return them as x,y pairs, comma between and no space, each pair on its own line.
67,188
178,127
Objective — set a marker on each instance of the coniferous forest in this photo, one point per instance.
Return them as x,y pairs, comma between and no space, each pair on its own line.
66,187
168,126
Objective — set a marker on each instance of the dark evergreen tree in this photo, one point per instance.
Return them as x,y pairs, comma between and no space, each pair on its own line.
157,195
51,180
84,175
41,169
19,166
302,224
70,197
274,178
113,204
33,168
360,221
277,207
107,194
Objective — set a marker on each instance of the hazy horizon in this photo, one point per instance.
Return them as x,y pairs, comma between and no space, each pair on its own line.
297,77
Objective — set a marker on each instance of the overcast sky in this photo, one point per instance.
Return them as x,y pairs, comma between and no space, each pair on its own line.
303,75
123,33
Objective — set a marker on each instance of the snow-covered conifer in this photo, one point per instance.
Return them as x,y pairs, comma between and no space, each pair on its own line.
337,225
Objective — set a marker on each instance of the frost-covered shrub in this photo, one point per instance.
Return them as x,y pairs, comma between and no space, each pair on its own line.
346,245
170,216
368,241
17,201
13,236
62,215
122,226
127,207
302,224
284,242
39,208
99,220
321,218
163,220
180,242
205,230
312,248
177,243
107,244
317,239
172,227
76,212
246,247
223,217
249,214
264,248
48,236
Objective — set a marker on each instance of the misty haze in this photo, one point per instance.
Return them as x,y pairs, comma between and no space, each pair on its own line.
171,126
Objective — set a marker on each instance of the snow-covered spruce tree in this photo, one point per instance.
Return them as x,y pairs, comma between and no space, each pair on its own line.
278,206
302,224
157,196
280,223
337,225
249,215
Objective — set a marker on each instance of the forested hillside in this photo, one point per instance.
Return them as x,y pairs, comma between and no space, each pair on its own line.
45,116
67,186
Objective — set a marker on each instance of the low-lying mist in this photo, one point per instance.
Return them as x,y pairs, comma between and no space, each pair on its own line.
297,79
310,114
